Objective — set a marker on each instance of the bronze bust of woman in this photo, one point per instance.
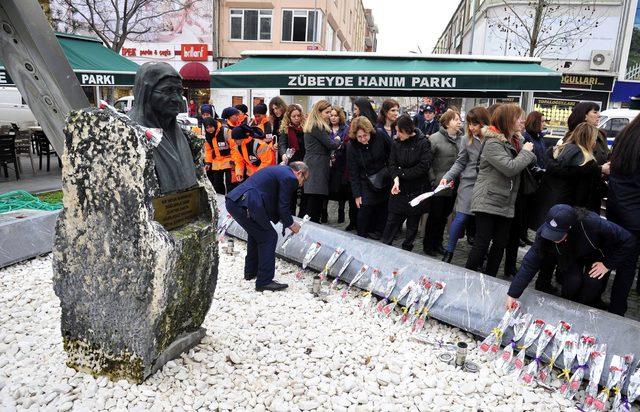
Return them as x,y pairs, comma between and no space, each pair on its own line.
157,95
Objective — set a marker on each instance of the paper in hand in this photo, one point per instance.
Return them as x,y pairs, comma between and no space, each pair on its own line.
416,201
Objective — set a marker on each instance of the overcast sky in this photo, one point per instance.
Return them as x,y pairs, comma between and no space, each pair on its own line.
405,24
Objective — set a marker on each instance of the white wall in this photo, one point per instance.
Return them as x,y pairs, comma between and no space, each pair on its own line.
603,37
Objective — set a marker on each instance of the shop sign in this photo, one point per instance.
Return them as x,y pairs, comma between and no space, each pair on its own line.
582,82
106,79
378,82
154,52
194,52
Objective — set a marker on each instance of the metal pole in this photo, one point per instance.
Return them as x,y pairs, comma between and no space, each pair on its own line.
473,25
35,61
315,23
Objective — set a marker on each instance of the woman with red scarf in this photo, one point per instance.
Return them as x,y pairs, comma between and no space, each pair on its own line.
503,156
292,137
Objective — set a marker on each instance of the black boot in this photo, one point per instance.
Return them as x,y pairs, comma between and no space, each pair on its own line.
447,256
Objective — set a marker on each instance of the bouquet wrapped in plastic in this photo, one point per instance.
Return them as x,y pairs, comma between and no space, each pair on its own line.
426,291
340,272
616,368
533,333
557,345
332,261
412,300
596,366
406,289
585,347
288,155
568,356
313,250
224,226
356,278
620,401
492,342
437,291
519,323
374,279
633,390
387,290
532,369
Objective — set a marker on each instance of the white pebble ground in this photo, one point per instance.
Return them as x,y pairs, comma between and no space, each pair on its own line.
263,351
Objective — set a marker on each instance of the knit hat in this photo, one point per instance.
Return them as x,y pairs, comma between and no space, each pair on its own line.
206,108
242,107
260,108
229,111
244,130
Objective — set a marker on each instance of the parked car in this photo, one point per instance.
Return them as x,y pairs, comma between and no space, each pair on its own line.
612,121
13,109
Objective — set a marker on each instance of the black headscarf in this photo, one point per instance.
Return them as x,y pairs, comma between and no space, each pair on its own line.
174,162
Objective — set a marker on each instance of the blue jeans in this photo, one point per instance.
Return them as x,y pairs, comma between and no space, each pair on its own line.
456,229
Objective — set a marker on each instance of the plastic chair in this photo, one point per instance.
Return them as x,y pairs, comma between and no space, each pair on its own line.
45,149
8,155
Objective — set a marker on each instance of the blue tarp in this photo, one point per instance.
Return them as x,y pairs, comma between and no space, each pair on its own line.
623,90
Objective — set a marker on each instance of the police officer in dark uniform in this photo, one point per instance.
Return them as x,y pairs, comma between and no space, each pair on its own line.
585,248
264,198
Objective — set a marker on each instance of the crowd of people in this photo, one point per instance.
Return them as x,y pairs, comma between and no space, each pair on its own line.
496,180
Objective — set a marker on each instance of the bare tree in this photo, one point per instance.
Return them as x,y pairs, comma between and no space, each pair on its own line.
116,21
543,27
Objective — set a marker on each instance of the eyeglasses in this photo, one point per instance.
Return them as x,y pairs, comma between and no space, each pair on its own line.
169,90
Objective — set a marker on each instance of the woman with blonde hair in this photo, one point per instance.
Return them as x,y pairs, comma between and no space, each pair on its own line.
571,175
318,146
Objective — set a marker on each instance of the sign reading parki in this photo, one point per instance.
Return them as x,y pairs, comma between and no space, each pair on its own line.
365,81
86,79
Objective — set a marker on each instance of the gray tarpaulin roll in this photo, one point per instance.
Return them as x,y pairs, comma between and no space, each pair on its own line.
471,301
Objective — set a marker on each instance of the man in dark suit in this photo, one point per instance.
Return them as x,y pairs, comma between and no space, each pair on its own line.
264,198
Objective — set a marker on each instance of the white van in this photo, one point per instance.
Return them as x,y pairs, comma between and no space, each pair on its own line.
612,122
13,108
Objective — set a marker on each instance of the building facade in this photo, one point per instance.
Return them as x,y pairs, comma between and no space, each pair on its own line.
287,25
585,42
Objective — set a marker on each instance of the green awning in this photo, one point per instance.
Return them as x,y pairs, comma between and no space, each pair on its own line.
341,73
92,62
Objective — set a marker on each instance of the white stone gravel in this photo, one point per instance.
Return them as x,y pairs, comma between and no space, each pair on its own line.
281,351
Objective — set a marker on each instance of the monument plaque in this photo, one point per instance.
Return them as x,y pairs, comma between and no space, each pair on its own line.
177,209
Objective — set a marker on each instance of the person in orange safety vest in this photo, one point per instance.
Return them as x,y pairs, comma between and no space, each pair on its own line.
261,121
218,155
252,153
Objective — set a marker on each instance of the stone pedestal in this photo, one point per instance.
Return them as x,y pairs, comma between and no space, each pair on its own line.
133,294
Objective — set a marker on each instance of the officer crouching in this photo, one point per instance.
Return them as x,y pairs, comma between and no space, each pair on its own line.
585,247
264,198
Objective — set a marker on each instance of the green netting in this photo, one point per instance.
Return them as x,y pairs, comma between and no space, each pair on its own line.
19,199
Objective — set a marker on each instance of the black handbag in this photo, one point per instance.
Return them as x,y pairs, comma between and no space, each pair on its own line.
529,183
380,180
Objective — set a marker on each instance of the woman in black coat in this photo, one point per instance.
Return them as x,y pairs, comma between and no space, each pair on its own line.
409,165
623,202
571,177
367,155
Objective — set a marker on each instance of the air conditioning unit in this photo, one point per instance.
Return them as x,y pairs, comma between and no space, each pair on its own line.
601,60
